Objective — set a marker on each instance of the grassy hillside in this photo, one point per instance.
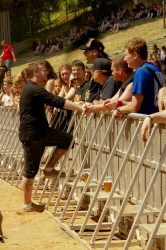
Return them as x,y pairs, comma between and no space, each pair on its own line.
152,31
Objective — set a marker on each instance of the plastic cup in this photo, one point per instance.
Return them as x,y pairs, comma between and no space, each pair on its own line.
107,184
85,174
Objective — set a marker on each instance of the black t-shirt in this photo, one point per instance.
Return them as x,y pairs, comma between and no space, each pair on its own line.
125,84
108,89
92,92
33,121
80,94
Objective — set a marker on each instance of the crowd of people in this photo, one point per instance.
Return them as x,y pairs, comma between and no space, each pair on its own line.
113,21
128,83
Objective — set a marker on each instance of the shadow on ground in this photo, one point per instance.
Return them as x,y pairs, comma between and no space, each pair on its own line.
1,233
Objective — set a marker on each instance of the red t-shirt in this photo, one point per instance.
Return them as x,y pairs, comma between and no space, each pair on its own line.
7,52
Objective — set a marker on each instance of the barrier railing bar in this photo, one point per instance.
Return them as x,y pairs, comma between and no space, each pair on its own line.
135,176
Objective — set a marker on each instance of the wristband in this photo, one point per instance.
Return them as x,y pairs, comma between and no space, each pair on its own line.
119,103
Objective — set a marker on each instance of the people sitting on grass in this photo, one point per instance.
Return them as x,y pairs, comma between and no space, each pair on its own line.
105,26
153,12
74,35
112,17
56,45
40,48
91,22
140,10
81,32
121,13
119,25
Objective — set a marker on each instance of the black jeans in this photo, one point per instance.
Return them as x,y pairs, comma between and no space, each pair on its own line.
34,149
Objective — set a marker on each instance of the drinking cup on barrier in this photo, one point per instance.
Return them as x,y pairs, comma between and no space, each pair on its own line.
85,174
107,184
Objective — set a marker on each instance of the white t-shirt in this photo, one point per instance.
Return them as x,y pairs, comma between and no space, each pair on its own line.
7,100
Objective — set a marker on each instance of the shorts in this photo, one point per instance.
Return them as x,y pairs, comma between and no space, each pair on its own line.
34,149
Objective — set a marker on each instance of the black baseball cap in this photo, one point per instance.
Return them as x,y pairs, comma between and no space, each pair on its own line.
93,44
102,64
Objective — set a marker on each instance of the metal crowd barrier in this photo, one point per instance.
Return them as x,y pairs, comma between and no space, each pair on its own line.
133,213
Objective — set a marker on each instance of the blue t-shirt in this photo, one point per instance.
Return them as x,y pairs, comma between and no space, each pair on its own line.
145,84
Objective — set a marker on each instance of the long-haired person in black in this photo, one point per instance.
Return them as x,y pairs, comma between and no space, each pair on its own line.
92,50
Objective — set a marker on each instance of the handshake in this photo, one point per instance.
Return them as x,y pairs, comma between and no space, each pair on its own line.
97,106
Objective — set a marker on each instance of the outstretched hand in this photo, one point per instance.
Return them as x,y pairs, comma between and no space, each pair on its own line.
88,108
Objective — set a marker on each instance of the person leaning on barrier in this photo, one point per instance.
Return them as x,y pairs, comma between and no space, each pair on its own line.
102,75
34,131
122,73
78,72
92,50
148,79
159,117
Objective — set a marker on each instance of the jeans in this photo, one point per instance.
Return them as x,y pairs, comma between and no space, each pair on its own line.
8,64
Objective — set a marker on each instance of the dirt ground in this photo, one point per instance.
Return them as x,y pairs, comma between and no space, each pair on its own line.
32,231
29,231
